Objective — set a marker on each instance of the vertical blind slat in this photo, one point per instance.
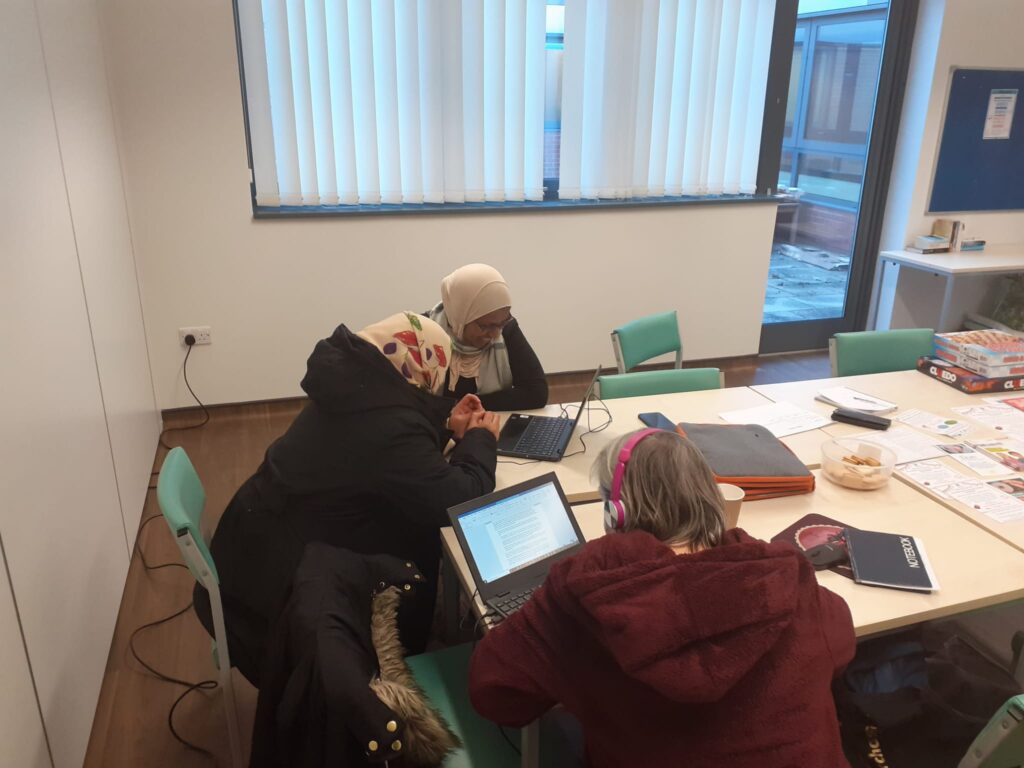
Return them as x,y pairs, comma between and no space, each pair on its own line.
320,100
342,121
533,98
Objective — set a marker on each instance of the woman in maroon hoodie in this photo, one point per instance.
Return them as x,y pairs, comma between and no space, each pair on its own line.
674,641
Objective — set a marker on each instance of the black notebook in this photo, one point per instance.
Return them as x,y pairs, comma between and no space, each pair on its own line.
889,560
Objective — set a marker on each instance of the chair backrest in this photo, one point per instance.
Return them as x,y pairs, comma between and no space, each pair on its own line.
181,497
659,382
879,351
1001,743
645,338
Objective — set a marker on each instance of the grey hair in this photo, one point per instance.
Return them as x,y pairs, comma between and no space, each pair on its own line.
668,490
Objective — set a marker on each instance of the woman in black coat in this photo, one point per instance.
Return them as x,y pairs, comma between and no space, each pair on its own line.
362,467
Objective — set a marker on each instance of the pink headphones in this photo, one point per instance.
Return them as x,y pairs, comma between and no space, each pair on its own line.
614,507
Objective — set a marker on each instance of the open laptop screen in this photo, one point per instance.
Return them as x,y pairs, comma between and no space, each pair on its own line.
514,532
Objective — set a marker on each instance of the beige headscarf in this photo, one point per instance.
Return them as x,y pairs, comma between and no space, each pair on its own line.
468,293
419,348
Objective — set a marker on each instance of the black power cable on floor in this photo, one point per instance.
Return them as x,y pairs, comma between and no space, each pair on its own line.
204,685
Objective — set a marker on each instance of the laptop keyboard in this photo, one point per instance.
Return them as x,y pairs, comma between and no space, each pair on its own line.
508,604
541,436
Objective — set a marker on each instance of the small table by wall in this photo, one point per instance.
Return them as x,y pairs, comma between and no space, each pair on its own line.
906,298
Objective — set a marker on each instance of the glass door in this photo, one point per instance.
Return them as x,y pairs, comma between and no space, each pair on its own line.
820,255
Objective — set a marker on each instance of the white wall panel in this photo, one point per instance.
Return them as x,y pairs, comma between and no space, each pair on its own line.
950,33
60,519
85,129
22,742
270,289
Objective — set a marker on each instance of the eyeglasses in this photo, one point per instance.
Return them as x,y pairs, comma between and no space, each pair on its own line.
493,327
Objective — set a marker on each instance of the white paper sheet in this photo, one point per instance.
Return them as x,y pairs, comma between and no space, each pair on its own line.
1002,103
907,444
1002,418
781,419
931,474
1008,452
979,463
985,499
930,422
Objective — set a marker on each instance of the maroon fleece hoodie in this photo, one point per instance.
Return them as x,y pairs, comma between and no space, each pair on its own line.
719,658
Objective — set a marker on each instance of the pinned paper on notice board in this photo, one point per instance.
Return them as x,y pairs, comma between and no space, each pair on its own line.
999,120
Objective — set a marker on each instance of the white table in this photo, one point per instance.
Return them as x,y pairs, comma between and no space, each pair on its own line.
908,389
974,569
703,406
907,300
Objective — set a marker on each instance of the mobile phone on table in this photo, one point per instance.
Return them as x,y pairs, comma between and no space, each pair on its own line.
861,419
657,420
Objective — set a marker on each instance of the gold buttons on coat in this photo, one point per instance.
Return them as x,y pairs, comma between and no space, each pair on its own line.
372,746
408,587
396,745
392,726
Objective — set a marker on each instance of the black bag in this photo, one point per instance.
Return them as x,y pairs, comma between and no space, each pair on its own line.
917,699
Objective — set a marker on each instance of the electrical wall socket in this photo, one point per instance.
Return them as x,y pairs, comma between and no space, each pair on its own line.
201,332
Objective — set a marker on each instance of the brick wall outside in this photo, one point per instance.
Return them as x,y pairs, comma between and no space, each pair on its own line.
830,229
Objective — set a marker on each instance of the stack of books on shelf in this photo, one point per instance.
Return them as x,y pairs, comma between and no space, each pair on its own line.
977,361
947,235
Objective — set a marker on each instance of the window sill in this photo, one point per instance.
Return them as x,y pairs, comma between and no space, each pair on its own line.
289,212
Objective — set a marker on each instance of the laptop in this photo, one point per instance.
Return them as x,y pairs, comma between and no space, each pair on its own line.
541,437
512,537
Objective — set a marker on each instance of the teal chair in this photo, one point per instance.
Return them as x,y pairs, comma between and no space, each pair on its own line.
1001,744
852,354
444,677
645,338
181,497
659,382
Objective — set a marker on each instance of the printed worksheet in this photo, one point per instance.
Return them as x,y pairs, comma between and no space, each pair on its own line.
979,463
993,503
998,416
931,474
1008,452
930,422
907,444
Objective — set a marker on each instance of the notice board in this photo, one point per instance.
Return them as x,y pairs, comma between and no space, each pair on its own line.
981,153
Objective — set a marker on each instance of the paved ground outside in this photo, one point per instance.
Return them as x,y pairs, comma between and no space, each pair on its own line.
805,283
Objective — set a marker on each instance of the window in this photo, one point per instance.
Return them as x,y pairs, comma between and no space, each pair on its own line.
374,103
836,63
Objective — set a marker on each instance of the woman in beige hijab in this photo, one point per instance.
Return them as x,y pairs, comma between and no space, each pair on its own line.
490,355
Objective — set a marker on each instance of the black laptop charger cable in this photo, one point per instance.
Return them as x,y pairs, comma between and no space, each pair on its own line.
205,685
190,341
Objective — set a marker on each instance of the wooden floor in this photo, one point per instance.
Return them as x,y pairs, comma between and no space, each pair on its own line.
130,728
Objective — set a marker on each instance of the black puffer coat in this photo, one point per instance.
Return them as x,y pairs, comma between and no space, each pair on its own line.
362,467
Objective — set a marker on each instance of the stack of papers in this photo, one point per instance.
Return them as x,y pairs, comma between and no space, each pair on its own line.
844,397
781,419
